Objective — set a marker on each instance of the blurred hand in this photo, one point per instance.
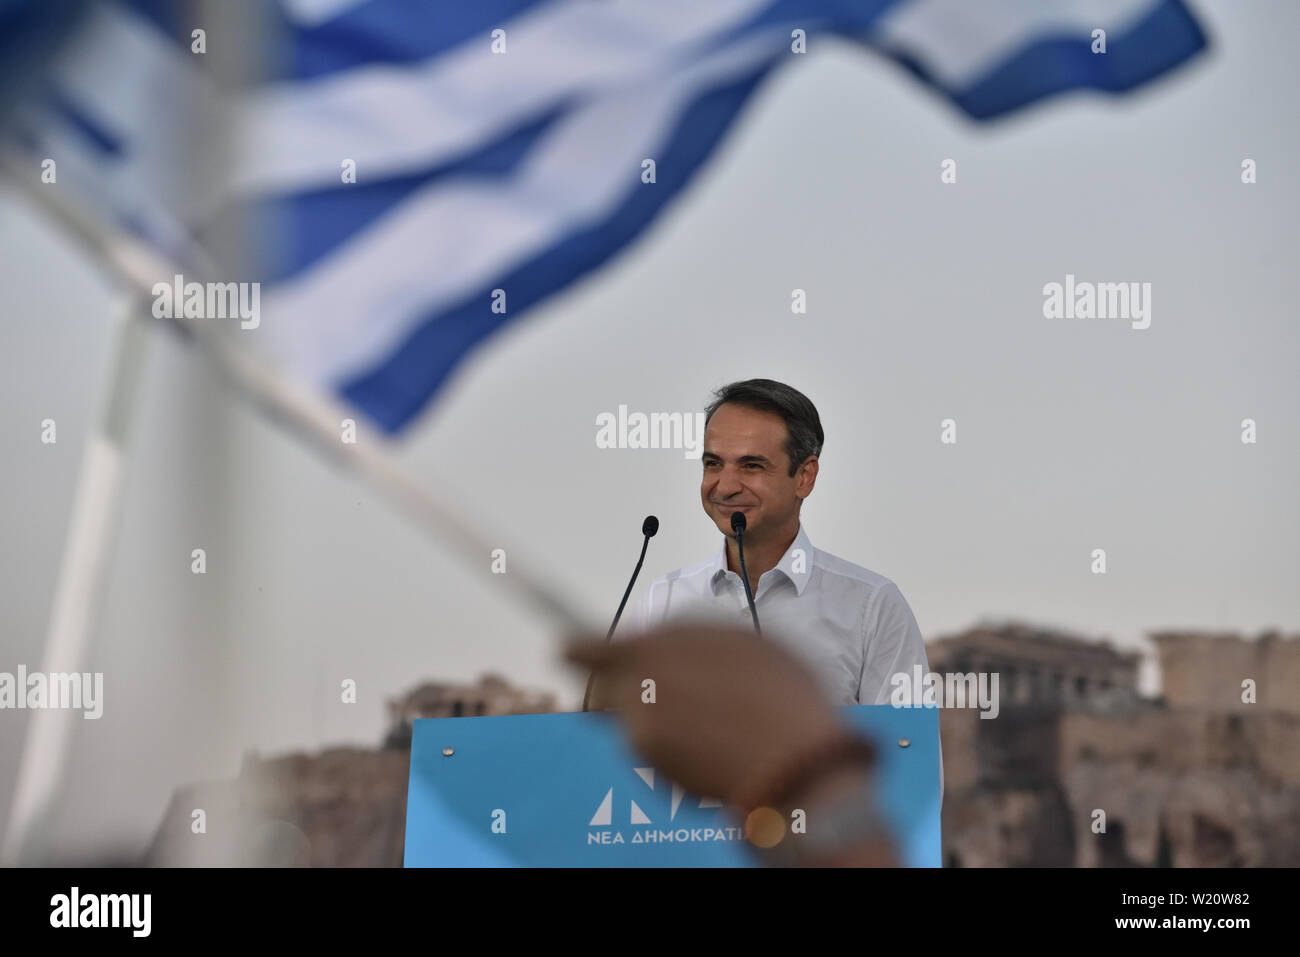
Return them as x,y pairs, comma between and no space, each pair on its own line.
728,705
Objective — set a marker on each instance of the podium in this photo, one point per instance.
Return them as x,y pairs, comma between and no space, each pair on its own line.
564,790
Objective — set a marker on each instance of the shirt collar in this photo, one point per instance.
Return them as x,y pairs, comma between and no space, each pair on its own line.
800,550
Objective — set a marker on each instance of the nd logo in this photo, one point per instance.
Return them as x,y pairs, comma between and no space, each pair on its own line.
664,806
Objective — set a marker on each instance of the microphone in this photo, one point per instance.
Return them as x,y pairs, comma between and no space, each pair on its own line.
649,528
738,526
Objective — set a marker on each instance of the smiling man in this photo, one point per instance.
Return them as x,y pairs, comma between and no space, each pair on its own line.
850,625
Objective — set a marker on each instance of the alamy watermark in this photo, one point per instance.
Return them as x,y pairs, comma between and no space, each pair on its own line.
179,299
81,691
952,690
1098,300
129,911
654,430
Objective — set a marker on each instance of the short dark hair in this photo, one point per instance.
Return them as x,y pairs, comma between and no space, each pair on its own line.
803,427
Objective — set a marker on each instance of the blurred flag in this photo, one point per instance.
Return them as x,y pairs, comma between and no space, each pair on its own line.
497,144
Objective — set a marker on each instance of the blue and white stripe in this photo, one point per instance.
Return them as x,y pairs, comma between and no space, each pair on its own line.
478,171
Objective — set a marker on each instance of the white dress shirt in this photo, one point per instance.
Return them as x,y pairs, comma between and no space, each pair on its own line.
851,626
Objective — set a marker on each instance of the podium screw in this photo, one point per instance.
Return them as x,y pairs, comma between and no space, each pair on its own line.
448,752
902,743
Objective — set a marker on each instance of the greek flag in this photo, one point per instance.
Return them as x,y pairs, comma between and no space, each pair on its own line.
494,144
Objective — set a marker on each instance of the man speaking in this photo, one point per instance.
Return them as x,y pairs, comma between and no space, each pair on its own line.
851,626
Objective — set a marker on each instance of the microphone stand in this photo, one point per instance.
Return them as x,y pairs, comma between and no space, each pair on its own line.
738,526
648,528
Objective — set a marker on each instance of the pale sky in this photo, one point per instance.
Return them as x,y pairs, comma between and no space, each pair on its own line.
924,303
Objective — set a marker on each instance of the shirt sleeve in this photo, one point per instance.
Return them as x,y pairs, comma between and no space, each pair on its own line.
894,646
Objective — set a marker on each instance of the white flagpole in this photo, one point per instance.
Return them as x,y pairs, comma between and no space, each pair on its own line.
81,576
311,413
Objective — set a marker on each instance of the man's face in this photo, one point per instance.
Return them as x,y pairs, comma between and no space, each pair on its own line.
746,469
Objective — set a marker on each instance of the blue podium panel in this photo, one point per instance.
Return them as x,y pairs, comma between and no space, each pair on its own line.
564,790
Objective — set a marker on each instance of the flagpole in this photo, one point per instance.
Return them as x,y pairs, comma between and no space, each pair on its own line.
80,582
309,413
